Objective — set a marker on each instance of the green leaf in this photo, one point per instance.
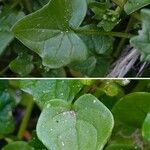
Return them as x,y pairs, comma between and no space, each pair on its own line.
108,18
85,125
133,5
121,147
142,41
22,65
36,143
45,90
6,37
6,104
132,109
48,32
18,146
6,22
93,67
98,44
146,128
54,73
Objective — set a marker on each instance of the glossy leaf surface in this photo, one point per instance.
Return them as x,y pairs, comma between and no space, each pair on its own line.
51,35
85,125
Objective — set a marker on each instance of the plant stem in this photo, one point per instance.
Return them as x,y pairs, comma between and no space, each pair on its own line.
123,40
25,120
119,2
98,32
28,5
4,70
136,15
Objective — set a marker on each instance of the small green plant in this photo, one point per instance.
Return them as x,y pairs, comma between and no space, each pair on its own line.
74,114
77,38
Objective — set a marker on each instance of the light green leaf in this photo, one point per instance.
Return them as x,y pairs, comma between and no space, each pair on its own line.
48,32
18,146
45,90
132,109
22,65
133,5
146,128
86,125
142,41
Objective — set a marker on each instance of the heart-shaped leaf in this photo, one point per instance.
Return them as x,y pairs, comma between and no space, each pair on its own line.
85,125
45,90
142,41
48,32
132,109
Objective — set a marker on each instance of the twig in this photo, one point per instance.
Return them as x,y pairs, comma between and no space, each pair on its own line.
124,64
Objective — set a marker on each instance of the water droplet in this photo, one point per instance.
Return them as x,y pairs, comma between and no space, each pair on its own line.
63,144
62,94
94,101
49,105
113,19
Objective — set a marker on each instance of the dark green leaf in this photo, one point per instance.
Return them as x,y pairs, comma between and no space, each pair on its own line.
22,65
54,73
36,143
93,67
86,125
48,32
132,109
98,44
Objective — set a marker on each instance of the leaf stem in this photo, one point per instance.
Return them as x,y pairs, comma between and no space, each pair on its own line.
4,70
25,120
99,32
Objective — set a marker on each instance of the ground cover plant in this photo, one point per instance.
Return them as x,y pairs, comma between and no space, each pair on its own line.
75,114
74,38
